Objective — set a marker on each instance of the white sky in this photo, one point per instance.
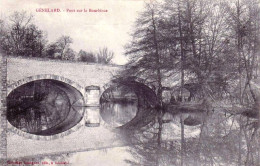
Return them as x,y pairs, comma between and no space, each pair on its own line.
89,31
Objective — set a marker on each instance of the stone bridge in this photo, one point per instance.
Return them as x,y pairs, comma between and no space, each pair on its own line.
83,83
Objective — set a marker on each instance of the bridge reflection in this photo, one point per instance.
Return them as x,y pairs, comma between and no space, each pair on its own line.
124,101
117,114
44,107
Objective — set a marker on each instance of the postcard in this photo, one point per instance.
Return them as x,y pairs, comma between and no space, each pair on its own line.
129,82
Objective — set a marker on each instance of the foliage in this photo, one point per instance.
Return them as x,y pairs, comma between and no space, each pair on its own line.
23,37
213,45
85,56
19,36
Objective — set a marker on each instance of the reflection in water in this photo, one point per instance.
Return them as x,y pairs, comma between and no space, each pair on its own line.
210,138
218,140
118,113
168,137
44,107
106,157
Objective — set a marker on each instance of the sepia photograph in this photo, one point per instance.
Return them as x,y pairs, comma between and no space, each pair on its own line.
130,83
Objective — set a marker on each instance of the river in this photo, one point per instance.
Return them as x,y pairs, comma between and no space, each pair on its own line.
209,138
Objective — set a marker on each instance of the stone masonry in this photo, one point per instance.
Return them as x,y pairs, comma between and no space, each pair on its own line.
3,121
89,79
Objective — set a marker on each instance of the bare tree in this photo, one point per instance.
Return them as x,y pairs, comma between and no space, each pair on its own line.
15,38
63,43
20,37
104,56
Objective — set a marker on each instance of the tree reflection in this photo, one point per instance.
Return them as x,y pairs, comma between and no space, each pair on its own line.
221,140
215,130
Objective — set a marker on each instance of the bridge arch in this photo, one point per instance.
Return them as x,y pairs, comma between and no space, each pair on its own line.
23,81
119,94
138,80
69,96
131,81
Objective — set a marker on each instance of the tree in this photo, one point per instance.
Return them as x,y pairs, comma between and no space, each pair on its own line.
52,51
148,59
19,21
3,34
2,30
61,49
21,37
85,56
146,51
243,20
63,44
194,38
69,54
35,41
105,56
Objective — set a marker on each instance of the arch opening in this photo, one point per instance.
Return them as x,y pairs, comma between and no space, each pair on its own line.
125,101
44,107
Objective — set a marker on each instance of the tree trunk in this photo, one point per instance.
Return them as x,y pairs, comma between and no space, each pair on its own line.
182,141
239,143
182,86
158,65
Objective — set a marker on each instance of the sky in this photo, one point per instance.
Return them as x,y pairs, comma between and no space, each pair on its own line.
89,31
